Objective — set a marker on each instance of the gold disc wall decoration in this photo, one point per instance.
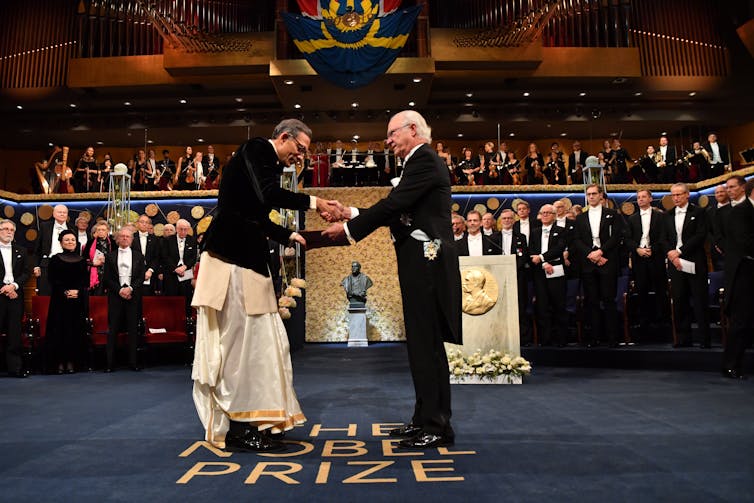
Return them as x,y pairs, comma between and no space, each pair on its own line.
27,218
151,210
31,234
482,209
667,202
627,208
455,207
203,224
44,212
197,212
493,203
703,201
9,211
159,229
173,217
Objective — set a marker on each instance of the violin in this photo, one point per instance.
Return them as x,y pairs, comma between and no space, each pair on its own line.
190,174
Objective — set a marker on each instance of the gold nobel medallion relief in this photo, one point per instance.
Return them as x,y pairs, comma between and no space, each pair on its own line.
480,291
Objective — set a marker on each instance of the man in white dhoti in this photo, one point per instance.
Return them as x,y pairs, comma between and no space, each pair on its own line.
243,380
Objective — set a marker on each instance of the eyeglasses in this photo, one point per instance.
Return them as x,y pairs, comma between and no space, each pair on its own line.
9,229
301,148
546,212
393,131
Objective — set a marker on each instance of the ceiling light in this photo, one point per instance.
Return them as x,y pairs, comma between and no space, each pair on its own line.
100,142
411,103
49,144
469,95
240,109
239,100
460,135
582,94
417,80
150,141
663,133
127,103
356,137
182,102
200,140
637,93
19,107
526,93
511,134
468,104
288,82
72,105
692,93
563,134
297,106
355,104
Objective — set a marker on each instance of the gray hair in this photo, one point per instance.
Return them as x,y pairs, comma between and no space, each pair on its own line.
7,221
682,186
293,127
423,131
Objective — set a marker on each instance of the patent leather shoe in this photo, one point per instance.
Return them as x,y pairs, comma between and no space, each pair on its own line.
251,441
425,440
733,374
408,430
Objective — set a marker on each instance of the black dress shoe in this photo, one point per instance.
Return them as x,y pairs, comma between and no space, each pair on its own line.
277,436
20,374
251,441
408,430
733,374
425,440
108,370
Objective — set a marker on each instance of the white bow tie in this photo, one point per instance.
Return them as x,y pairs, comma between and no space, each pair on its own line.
645,212
6,247
123,250
507,233
679,211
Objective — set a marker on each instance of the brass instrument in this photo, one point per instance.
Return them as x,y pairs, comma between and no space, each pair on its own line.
658,157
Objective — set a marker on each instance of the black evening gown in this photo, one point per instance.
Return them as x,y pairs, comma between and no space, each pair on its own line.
66,330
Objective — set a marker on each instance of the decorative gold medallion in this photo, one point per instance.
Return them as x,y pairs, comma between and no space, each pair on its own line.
480,291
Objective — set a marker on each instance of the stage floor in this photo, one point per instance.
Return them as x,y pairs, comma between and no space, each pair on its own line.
566,434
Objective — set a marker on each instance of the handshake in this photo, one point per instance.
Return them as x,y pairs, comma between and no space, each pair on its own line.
335,213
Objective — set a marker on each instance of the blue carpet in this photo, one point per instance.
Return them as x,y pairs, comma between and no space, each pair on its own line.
567,434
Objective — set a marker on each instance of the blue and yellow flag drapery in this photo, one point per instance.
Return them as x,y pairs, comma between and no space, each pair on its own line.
350,42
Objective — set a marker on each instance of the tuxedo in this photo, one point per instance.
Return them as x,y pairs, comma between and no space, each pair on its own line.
667,174
416,209
12,310
119,310
550,308
683,285
489,246
600,282
717,169
151,254
648,272
576,166
171,259
41,256
739,278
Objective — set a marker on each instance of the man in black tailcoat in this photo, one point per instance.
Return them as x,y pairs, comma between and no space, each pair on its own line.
47,245
179,255
124,274
643,239
739,278
149,246
418,213
684,234
14,271
597,238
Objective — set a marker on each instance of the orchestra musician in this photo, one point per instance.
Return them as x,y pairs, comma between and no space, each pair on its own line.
576,162
444,154
213,172
554,171
467,167
46,180
184,166
666,166
86,174
140,171
491,175
608,158
165,172
719,159
512,170
646,168
621,155
534,164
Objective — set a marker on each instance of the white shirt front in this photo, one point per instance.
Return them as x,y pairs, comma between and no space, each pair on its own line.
595,217
737,202
143,242
7,253
646,216
83,238
124,266
475,245
680,216
664,152
181,246
487,232
56,246
525,228
507,240
545,239
716,159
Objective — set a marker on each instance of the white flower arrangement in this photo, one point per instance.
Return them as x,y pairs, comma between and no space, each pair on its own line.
286,301
292,291
486,366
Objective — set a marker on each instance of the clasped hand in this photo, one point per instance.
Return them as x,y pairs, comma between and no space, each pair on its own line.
336,213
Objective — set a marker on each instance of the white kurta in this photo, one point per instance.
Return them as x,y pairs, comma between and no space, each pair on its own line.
242,365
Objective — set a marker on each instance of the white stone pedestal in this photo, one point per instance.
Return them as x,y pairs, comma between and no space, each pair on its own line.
357,327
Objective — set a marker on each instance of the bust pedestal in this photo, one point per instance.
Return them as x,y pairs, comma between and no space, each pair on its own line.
357,325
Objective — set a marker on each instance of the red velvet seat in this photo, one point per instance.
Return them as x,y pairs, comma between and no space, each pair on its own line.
168,314
40,304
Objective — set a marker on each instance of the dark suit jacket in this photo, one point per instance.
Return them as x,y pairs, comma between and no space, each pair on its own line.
555,245
533,223
20,265
519,248
249,189
151,254
488,246
693,235
572,161
611,236
111,278
670,155
723,151
633,232
422,201
44,242
740,244
171,256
